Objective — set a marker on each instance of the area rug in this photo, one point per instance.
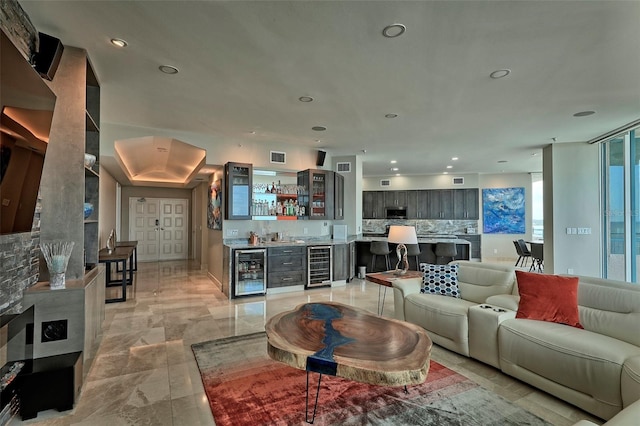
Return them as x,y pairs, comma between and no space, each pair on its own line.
245,387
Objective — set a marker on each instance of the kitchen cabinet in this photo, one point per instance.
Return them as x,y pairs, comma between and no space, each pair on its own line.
238,189
439,204
344,261
317,195
338,210
412,205
287,266
373,205
465,204
474,252
395,198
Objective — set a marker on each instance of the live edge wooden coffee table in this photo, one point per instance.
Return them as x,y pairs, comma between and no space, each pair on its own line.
344,341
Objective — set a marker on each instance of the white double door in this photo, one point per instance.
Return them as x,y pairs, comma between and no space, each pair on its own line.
160,226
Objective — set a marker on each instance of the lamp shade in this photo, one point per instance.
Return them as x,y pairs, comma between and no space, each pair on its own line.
402,235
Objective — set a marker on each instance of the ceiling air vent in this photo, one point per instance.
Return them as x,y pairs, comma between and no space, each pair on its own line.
278,157
343,167
385,182
458,181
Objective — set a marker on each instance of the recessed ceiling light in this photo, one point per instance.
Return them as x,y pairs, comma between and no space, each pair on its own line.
500,73
391,115
445,173
584,113
394,161
253,132
454,158
319,128
168,69
397,174
118,42
533,154
318,140
394,169
394,30
305,99
449,167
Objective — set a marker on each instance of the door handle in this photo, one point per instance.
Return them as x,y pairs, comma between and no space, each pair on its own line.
157,222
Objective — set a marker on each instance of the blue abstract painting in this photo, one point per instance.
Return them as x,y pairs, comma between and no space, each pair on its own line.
503,210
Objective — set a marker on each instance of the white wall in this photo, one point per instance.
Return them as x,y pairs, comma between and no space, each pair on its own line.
107,205
352,194
219,150
572,201
419,182
499,247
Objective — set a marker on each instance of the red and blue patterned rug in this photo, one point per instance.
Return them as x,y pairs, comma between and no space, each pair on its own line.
245,387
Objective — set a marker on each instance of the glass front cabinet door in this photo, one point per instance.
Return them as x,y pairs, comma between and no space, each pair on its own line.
317,193
238,185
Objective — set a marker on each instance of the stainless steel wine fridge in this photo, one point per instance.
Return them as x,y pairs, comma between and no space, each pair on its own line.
320,266
251,272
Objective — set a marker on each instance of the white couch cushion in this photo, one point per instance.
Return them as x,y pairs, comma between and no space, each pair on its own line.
477,280
581,360
445,318
610,307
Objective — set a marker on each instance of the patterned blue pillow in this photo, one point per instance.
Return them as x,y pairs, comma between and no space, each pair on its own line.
440,279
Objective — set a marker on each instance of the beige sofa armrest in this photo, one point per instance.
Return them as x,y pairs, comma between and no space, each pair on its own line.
506,301
627,417
401,289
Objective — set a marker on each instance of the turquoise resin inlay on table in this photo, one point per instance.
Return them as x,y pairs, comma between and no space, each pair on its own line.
322,361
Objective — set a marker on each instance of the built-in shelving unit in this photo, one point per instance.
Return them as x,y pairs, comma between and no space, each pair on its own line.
92,174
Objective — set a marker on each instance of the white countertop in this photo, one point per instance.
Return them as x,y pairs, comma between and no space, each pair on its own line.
328,241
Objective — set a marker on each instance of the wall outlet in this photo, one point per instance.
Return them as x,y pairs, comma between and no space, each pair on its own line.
570,271
54,330
305,231
495,251
584,231
232,232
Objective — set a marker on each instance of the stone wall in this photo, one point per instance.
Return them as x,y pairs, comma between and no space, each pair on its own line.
18,27
19,253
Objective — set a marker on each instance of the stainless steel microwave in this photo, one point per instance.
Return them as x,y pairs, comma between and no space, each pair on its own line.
396,213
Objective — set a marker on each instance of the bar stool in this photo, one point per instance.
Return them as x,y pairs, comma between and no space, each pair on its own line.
414,250
379,248
444,251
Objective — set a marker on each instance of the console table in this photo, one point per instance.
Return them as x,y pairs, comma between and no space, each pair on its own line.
120,256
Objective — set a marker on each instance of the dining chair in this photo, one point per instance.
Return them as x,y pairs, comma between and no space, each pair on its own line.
380,248
446,251
537,256
522,256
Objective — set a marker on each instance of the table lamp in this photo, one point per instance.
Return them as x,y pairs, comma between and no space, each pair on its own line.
402,235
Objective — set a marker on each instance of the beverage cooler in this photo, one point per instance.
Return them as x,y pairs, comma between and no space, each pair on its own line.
250,272
320,266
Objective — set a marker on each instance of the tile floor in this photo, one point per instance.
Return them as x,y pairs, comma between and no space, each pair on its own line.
145,374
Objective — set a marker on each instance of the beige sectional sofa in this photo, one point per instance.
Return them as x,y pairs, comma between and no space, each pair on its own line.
596,368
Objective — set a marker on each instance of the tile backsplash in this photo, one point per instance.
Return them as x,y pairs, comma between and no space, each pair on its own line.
423,226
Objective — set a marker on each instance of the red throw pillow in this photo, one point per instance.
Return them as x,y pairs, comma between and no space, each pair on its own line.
548,298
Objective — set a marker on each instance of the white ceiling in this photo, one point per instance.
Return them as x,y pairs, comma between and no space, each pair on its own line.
244,64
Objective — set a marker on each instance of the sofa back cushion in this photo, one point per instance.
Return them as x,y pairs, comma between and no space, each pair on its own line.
478,280
610,307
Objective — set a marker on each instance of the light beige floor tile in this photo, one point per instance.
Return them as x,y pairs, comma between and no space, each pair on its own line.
145,373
